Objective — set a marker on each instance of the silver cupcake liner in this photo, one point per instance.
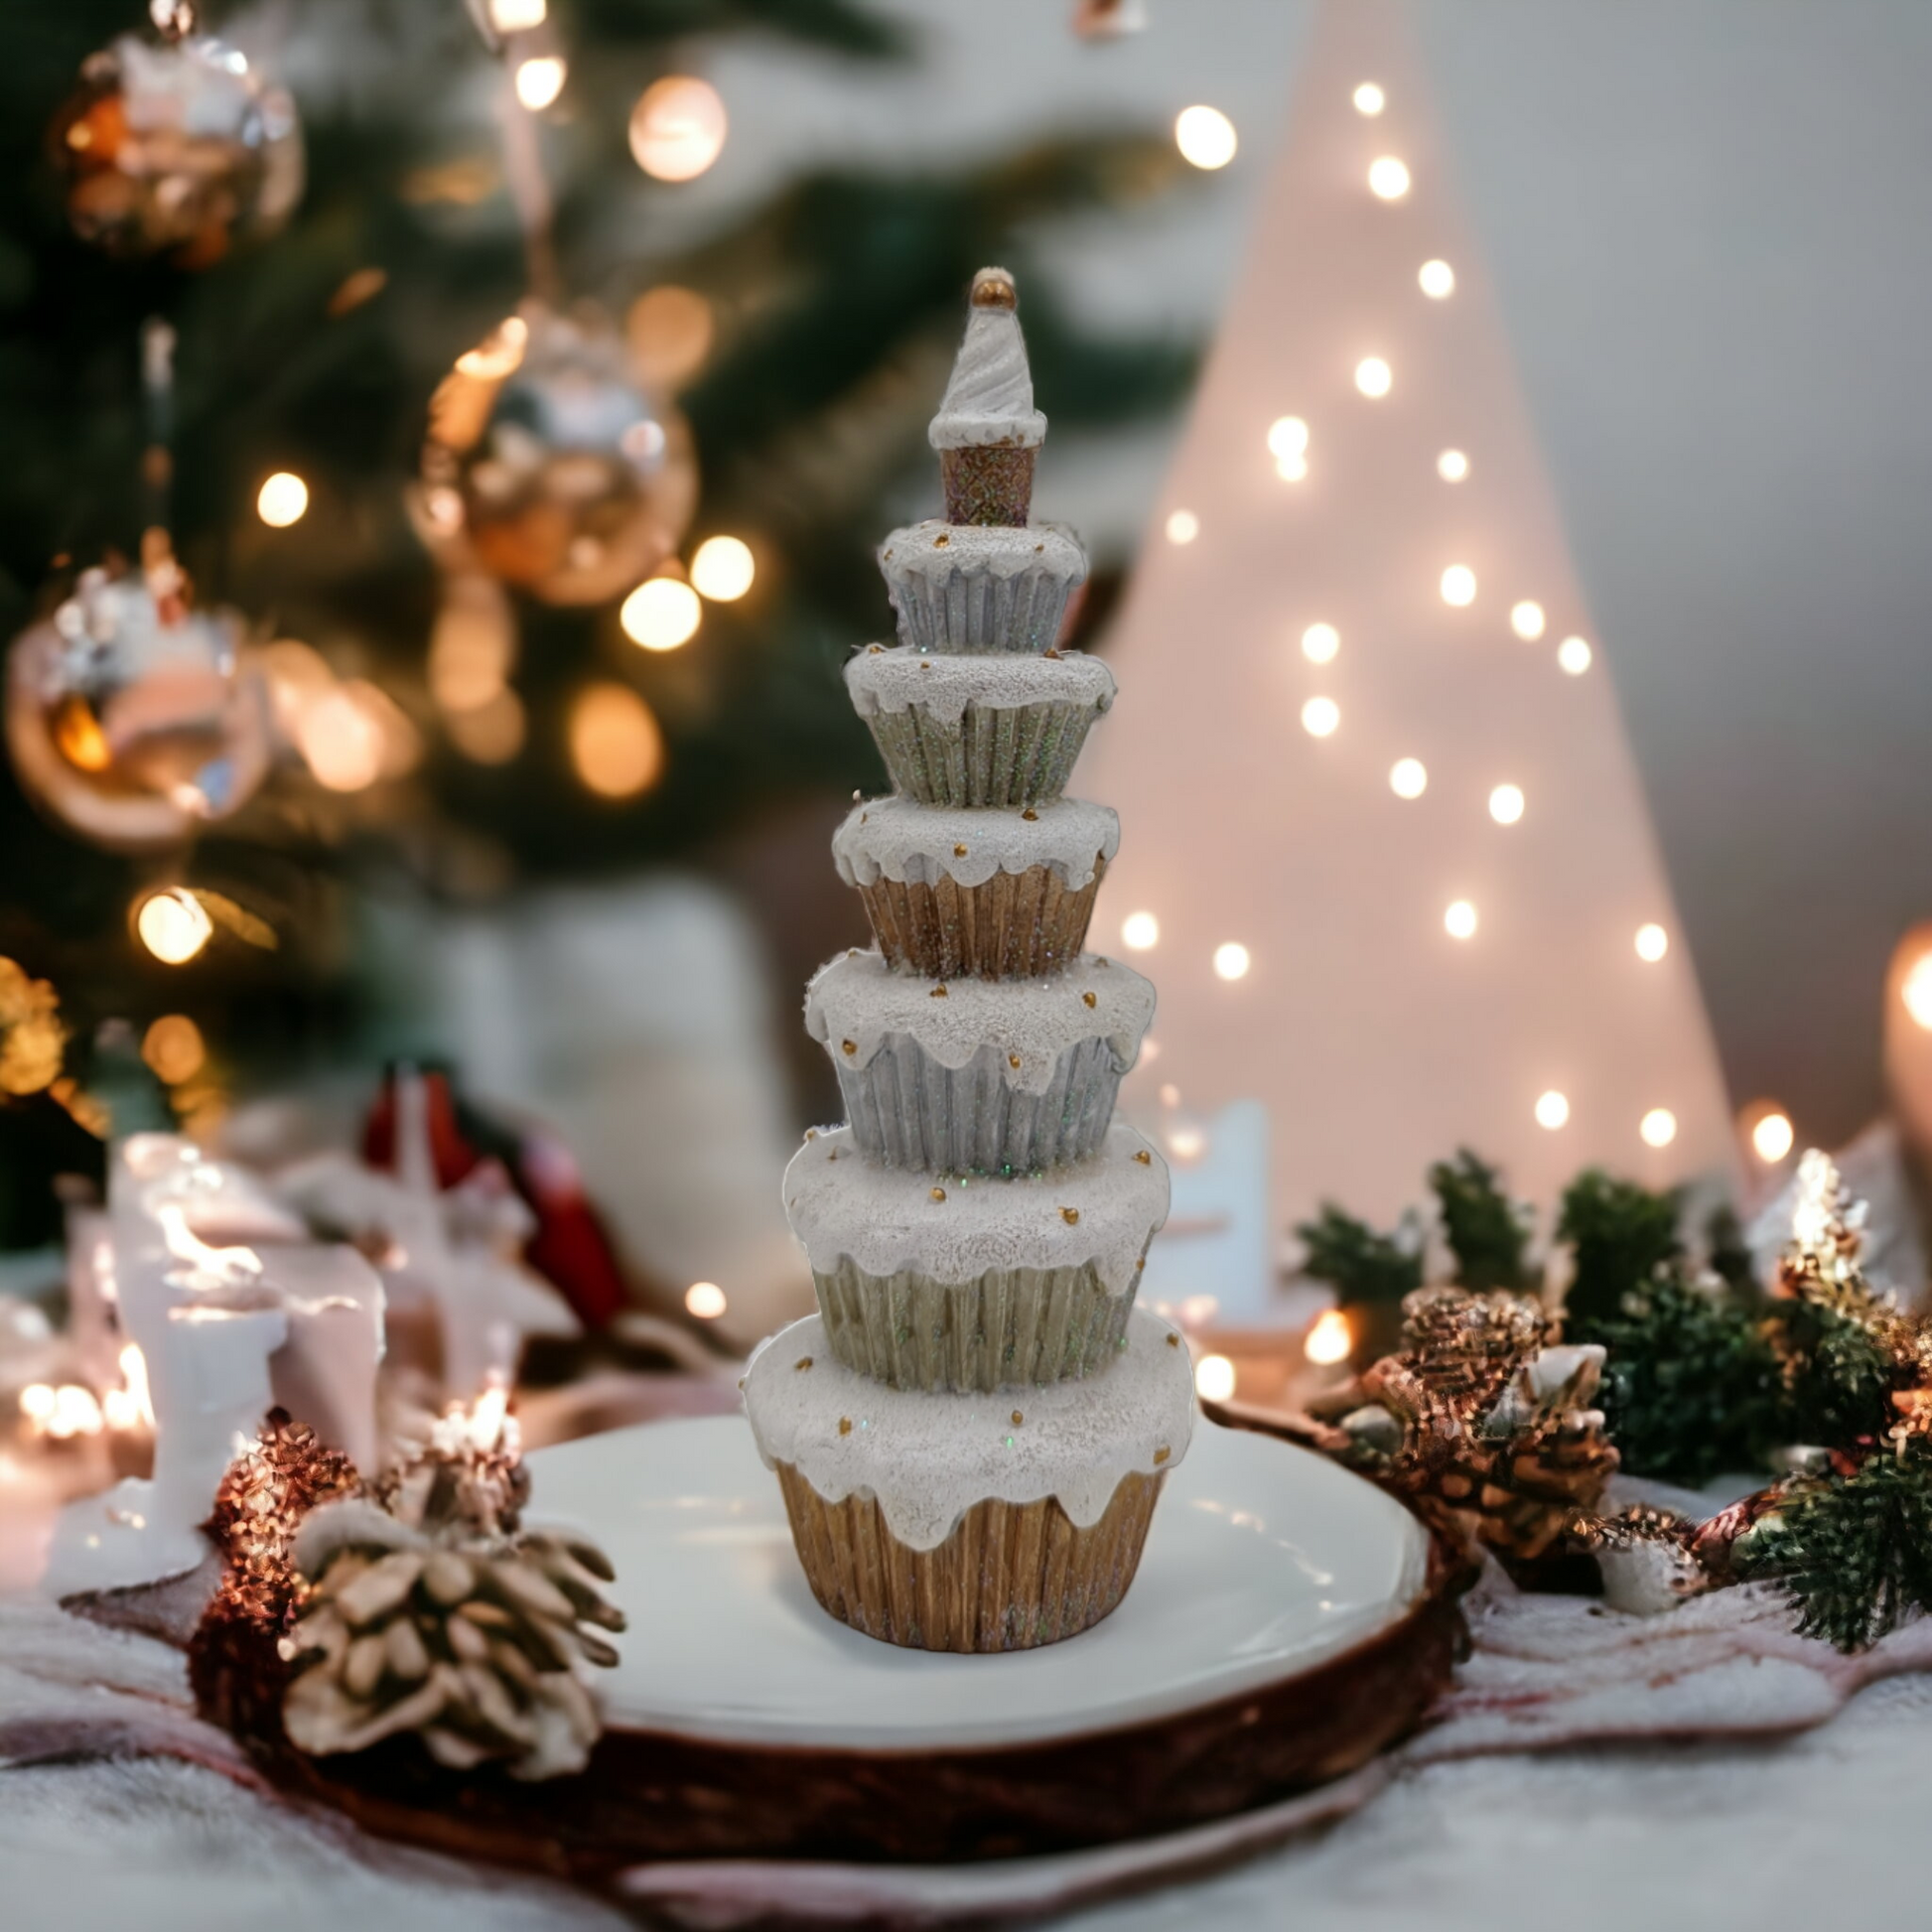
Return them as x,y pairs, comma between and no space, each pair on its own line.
980,610
1020,755
908,1111
1013,1327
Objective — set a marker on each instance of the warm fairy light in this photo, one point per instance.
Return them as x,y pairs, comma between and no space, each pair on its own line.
61,1413
1183,526
174,1049
661,614
1186,1142
614,741
1773,1138
498,353
1205,137
1330,1339
173,925
1231,960
1658,1127
1436,279
704,1300
1916,991
1370,99
1573,655
342,741
670,332
518,16
491,734
1288,436
1320,717
1460,921
723,569
1213,1378
677,128
1319,642
1452,466
539,81
1373,376
1458,585
1527,620
130,1406
1408,778
1506,804
1388,179
1140,931
282,500
1552,1108
1292,469
1653,942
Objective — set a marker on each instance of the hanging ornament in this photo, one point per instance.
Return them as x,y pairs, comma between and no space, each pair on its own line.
174,146
1108,20
549,467
128,715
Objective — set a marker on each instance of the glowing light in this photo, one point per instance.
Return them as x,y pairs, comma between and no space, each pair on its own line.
1436,279
1388,179
1183,526
661,614
1653,942
342,741
1916,991
1527,620
1573,655
282,500
1287,436
678,127
1773,1138
704,1300
1231,960
1552,1110
1292,469
1320,717
61,1413
1506,804
130,1406
1186,1142
614,741
472,646
539,81
1458,585
494,733
1319,642
1460,921
1453,465
670,332
1658,1127
1205,137
518,16
174,1049
1370,99
1213,1378
723,569
173,925
1140,931
1373,376
1408,778
1330,1339
498,353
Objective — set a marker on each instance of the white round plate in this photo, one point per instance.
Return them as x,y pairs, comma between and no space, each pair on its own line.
1263,1560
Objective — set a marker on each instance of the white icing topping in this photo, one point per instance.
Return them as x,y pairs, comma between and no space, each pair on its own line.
936,548
913,842
990,398
944,684
929,1459
1030,1022
883,1219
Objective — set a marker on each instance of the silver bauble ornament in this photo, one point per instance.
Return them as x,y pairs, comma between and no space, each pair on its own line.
549,467
176,147
130,718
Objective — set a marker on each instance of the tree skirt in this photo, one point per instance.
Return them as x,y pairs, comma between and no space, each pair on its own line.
117,1806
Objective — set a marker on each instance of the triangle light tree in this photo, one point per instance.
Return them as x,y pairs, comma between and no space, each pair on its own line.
1403,886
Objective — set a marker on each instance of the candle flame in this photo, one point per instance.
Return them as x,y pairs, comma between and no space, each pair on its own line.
130,1406
211,1267
1329,1340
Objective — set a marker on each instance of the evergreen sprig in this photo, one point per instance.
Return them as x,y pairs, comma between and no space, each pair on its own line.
1619,1235
1359,1263
1487,1232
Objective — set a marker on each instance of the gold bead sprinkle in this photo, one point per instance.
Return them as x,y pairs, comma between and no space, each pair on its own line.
1087,999
1144,1157
1018,1418
1013,1060
959,852
937,993
848,1046
804,1361
1031,816
993,288
1160,1455
1070,1215
1174,1341
845,1428
940,542
938,1193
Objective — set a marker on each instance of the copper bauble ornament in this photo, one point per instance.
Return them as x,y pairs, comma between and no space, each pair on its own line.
177,147
130,718
550,467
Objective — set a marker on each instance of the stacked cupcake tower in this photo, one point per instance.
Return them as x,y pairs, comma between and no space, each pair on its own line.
972,1432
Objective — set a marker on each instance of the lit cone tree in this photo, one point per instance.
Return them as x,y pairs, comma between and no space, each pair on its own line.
1374,788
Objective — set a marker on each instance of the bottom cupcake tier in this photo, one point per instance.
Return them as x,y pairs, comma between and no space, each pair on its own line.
1011,1577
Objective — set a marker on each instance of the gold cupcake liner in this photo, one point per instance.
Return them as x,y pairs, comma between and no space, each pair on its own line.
1011,1576
1013,1327
988,484
1016,925
1022,756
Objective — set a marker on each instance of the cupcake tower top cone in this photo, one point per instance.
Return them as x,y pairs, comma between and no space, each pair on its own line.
987,431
